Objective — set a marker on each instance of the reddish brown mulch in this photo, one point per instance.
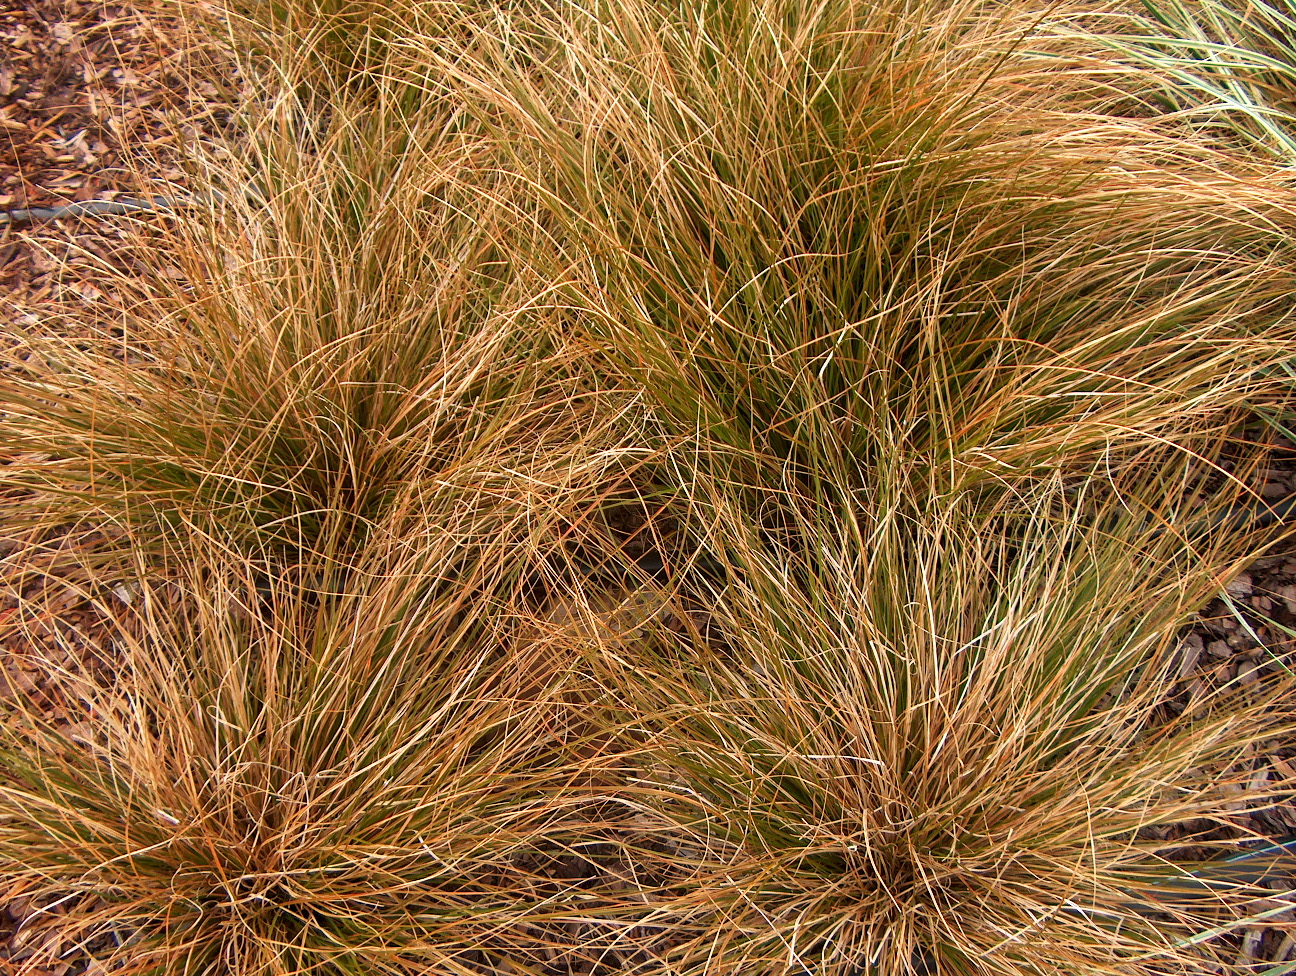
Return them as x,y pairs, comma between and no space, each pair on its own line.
93,93
96,101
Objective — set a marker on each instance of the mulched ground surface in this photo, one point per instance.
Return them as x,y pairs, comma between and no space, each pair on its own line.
96,102
90,95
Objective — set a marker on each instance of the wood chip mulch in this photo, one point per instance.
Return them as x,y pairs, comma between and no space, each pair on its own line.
97,101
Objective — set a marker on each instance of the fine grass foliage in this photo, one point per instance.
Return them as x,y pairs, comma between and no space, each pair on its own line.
940,743
1223,67
342,320
824,241
938,350
384,773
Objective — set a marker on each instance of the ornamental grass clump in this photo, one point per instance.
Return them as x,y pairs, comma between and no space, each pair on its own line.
390,773
942,743
340,318
839,240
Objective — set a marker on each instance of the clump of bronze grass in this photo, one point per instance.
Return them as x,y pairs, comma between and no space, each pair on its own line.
383,774
939,742
341,318
827,239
